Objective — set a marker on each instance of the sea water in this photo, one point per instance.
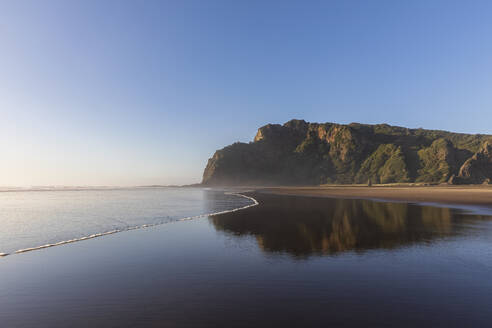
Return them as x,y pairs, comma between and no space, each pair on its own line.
33,219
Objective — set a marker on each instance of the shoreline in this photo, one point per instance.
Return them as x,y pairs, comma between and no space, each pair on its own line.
440,195
139,227
451,196
196,272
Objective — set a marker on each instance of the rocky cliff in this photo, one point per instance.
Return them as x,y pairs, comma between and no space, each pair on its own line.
299,152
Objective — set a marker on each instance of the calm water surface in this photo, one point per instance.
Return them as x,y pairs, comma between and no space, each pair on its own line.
290,261
34,218
303,227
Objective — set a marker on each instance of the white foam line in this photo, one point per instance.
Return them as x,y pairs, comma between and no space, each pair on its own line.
101,234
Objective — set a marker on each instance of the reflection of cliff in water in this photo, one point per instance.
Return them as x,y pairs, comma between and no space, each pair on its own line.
304,226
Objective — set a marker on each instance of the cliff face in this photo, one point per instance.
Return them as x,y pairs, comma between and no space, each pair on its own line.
478,168
298,152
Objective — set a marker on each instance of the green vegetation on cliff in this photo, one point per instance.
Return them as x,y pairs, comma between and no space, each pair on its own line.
298,152
385,165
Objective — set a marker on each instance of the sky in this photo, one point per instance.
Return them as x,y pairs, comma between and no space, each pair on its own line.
143,92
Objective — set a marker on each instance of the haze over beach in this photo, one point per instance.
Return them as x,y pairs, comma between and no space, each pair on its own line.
124,93
245,163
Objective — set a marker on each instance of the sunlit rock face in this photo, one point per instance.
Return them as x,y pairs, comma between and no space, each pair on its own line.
309,226
299,152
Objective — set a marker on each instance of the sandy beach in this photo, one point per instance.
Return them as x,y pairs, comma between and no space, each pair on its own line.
451,195
290,261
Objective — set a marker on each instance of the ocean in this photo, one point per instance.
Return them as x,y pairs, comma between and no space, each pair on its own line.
34,219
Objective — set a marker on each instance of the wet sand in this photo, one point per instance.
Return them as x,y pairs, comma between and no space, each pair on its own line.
288,262
451,195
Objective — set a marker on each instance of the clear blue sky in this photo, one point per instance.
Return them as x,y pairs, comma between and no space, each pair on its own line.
140,92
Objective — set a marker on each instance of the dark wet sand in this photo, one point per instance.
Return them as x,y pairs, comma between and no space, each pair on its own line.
454,195
288,262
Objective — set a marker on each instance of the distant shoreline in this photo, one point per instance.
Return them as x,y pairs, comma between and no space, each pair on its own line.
449,195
